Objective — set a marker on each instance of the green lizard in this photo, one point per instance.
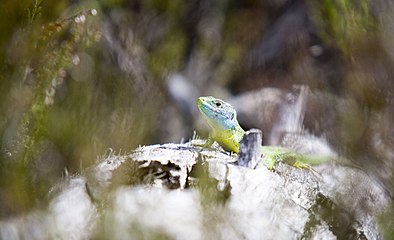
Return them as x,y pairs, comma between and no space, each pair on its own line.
226,131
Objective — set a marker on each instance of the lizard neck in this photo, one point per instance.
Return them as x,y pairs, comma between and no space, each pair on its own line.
238,133
229,138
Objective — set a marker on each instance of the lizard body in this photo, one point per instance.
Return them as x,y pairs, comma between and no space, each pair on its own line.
226,131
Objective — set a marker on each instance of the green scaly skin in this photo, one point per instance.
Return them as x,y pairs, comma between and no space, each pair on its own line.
226,131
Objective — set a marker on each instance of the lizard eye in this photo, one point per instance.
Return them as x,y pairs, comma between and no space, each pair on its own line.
218,104
232,116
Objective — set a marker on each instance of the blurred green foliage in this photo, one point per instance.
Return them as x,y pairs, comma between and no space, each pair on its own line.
62,103
37,54
345,23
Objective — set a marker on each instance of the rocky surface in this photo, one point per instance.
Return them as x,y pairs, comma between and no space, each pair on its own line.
181,191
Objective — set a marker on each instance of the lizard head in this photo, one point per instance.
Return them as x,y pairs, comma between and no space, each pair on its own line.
220,115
